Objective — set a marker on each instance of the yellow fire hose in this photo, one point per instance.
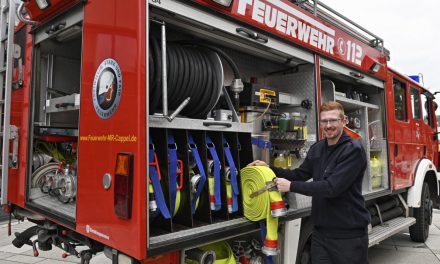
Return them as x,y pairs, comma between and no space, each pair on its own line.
177,206
223,253
211,192
229,196
268,205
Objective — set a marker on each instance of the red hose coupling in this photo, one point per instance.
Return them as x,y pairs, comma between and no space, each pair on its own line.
278,209
212,202
230,205
270,247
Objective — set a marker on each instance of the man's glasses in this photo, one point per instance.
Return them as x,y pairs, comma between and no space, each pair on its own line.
331,122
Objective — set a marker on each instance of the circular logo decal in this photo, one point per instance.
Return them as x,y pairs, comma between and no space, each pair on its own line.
107,88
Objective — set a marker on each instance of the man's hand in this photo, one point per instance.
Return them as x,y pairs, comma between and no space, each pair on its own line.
283,185
258,163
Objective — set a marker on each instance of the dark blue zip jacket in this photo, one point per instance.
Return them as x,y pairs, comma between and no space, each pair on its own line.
338,207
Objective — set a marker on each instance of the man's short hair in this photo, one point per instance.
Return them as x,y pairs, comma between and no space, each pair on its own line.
332,105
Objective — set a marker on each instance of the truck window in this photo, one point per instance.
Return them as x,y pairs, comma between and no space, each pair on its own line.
415,103
400,100
426,110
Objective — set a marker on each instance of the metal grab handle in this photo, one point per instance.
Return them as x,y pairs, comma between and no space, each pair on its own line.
357,75
22,18
251,34
64,105
225,124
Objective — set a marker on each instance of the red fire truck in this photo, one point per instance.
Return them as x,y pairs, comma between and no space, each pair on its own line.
125,124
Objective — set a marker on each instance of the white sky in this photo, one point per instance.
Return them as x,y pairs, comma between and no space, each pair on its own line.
410,30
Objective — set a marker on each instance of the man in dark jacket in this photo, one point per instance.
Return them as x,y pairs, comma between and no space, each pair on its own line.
337,165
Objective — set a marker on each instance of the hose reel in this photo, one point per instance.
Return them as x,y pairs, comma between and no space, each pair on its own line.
191,72
194,71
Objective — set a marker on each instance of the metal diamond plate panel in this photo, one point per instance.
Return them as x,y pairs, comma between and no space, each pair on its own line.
302,86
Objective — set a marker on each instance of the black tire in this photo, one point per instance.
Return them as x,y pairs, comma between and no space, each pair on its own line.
304,253
420,230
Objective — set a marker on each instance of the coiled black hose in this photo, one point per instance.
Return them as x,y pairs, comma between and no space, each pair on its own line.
193,70
219,52
155,80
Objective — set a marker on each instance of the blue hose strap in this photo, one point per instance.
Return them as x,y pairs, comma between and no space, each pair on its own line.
269,259
261,143
211,147
202,174
172,169
154,177
234,182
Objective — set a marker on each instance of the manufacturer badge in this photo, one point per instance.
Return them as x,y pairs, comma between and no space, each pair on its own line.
107,88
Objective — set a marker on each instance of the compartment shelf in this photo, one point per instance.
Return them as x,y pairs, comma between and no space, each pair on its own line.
350,104
52,203
62,104
157,121
286,140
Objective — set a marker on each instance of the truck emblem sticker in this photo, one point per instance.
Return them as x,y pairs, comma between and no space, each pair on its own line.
107,88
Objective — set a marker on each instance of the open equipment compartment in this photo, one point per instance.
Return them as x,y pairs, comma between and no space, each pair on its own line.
55,118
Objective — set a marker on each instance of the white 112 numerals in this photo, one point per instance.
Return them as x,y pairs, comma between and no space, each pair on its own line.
354,52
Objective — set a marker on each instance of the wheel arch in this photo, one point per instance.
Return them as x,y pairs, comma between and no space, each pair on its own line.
425,172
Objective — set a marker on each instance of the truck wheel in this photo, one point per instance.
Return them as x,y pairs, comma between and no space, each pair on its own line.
304,255
420,230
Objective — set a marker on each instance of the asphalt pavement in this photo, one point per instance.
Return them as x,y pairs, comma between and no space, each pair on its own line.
398,249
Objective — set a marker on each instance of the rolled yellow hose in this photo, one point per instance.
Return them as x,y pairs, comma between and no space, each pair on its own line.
223,253
258,208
